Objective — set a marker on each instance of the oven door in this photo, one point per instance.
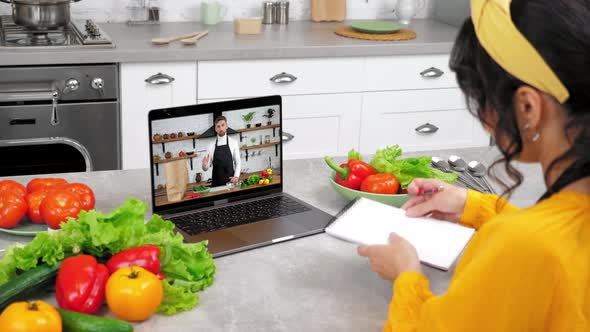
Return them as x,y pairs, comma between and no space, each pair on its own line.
83,137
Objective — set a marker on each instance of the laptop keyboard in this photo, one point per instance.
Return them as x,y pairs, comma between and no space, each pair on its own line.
238,214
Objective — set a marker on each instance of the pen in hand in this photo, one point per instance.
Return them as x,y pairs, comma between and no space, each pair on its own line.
430,191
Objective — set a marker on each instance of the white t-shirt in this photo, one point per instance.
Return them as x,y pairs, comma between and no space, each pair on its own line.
233,147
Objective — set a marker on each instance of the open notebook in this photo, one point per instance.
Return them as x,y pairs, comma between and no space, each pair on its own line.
367,222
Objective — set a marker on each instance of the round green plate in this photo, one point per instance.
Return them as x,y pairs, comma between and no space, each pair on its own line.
349,194
25,228
376,27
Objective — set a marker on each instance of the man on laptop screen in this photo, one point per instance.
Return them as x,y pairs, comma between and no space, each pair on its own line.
224,160
223,155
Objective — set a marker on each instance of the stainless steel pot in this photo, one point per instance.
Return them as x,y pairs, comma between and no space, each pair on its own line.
41,15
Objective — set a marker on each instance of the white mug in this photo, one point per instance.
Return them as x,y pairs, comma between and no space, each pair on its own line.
212,12
405,10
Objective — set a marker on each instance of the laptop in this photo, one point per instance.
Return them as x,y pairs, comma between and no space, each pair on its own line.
191,163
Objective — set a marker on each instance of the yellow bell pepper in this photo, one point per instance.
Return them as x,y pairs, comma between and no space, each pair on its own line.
261,181
266,181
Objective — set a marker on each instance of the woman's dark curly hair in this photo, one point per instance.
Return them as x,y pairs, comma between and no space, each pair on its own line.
560,32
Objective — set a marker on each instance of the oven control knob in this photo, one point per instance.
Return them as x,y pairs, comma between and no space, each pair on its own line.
98,85
71,85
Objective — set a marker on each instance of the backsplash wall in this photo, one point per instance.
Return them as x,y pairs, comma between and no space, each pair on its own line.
188,10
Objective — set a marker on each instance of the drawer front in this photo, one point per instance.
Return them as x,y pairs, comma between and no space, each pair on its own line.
170,84
321,125
416,122
252,78
409,72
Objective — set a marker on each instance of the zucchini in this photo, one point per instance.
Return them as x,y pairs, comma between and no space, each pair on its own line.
26,284
77,322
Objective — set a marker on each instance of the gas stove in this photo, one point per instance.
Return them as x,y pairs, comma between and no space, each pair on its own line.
78,34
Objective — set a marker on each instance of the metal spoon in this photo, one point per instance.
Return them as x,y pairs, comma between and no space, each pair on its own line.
442,165
458,164
479,170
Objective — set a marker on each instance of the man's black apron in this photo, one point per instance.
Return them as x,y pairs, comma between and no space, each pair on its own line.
223,164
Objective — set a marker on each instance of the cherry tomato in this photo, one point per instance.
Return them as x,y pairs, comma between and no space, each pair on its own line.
85,194
14,186
12,208
45,183
57,206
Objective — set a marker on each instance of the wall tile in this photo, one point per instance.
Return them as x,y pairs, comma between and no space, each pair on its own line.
189,10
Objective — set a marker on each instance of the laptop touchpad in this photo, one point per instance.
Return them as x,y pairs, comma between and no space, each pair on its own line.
267,230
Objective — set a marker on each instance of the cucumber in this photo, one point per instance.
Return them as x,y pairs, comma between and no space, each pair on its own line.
27,283
77,322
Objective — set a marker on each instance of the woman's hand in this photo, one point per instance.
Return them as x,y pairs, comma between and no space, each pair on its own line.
390,260
446,205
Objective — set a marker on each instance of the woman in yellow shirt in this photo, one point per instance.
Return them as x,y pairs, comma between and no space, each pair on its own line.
524,66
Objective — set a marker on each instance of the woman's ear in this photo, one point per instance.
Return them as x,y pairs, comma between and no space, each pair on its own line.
528,103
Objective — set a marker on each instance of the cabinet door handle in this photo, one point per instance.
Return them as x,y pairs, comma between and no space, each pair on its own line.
427,128
159,78
287,137
283,78
432,72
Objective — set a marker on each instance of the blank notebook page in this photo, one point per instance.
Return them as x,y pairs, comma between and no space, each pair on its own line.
367,222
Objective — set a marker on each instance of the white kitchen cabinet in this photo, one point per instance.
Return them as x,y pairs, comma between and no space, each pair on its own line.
255,78
419,120
318,125
147,86
332,105
408,72
321,125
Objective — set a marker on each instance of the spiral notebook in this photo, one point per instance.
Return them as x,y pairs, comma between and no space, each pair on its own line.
367,222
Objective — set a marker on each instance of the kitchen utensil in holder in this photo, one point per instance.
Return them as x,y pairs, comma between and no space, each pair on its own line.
143,12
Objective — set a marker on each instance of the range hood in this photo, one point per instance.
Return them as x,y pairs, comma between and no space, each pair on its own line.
211,131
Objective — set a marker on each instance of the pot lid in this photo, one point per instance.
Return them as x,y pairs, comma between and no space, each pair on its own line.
40,2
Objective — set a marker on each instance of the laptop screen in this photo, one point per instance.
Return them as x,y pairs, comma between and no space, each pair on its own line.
212,152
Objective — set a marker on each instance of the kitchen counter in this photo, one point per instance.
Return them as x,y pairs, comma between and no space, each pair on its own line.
298,39
316,283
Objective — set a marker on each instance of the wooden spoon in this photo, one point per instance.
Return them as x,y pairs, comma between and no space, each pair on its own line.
193,40
168,40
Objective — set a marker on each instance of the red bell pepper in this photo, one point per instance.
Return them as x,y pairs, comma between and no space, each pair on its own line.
147,256
192,195
351,174
81,283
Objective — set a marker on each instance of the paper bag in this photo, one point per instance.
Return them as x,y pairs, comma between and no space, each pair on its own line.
176,179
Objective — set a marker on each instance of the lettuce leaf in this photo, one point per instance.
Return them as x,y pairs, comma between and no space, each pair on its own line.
406,170
189,267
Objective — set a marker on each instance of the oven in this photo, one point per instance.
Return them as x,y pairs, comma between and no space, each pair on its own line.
59,119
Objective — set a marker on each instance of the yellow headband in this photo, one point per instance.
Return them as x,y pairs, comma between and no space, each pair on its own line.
511,50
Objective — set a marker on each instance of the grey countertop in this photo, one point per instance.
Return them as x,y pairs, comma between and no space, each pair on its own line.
316,283
298,39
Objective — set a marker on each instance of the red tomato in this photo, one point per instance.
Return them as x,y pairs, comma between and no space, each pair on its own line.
57,206
34,200
45,183
14,186
12,208
85,194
